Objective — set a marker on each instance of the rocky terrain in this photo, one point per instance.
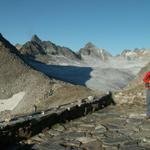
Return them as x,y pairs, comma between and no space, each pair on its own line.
34,83
22,87
113,128
135,91
138,80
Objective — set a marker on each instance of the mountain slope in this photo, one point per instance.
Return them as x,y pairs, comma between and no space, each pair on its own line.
24,87
135,91
138,80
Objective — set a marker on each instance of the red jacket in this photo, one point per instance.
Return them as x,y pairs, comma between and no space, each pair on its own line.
146,80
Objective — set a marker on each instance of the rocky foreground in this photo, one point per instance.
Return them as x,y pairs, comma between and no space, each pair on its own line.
121,127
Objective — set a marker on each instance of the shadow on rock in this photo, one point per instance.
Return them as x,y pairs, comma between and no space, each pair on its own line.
19,147
72,74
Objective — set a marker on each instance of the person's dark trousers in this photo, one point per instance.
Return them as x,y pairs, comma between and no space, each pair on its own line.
148,102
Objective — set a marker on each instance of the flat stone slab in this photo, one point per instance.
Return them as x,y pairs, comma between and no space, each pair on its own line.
85,140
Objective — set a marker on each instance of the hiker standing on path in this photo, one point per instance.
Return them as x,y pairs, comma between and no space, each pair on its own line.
146,80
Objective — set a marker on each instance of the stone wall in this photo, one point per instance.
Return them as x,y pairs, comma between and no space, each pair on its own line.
23,127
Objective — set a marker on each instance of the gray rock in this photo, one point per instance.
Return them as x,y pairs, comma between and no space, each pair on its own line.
58,127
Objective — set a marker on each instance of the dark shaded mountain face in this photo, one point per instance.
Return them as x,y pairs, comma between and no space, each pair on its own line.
39,47
36,39
91,50
6,44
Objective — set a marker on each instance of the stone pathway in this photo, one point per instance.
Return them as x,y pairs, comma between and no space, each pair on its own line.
113,128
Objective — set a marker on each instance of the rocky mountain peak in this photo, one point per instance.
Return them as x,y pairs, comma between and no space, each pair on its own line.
36,48
36,39
89,45
125,51
91,50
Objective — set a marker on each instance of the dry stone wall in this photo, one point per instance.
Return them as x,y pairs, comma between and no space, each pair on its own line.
23,127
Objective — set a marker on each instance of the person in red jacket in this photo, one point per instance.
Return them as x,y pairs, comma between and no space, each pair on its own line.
146,80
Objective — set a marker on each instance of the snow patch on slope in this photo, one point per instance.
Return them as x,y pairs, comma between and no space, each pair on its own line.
11,103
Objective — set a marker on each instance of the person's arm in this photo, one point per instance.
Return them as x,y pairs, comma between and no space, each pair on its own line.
146,78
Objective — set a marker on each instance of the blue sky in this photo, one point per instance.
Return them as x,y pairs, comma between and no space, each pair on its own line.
111,24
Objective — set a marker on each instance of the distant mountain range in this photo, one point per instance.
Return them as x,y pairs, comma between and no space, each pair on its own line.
118,70
107,72
136,53
38,47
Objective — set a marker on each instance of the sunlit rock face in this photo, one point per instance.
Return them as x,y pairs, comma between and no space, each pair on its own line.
91,50
137,53
38,47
